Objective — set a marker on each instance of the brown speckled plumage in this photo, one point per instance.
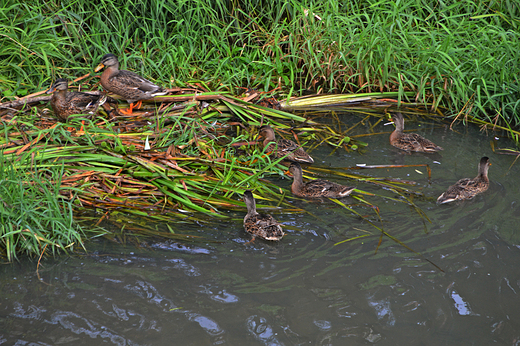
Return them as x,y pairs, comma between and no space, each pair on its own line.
125,83
316,188
468,188
283,147
260,225
410,141
65,104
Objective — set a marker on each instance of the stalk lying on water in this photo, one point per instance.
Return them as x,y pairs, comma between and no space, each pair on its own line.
199,160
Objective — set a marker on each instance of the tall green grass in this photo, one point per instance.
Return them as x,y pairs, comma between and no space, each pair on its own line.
463,56
34,217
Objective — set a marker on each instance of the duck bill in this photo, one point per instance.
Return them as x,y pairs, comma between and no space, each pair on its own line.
51,90
258,136
99,68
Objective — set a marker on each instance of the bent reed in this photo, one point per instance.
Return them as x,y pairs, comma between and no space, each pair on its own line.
463,58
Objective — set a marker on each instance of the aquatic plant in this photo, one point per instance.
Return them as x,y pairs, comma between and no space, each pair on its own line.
462,57
175,161
34,216
197,149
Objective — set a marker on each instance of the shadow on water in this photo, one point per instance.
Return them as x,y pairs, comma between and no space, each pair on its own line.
303,290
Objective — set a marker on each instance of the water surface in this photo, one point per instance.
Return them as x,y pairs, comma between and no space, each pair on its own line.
302,290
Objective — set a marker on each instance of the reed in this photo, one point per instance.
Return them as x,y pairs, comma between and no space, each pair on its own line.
463,58
177,166
34,217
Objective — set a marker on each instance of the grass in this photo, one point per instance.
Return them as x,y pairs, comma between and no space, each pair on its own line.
462,57
198,164
34,217
459,58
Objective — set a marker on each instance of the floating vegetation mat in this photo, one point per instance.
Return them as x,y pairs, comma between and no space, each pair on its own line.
181,156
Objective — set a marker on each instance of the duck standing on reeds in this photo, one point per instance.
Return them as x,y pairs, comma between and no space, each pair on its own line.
410,141
283,147
260,225
316,188
468,188
127,84
65,104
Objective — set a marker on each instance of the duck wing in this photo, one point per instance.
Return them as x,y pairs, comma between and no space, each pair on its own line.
291,151
132,86
325,188
263,226
415,142
84,101
425,144
463,189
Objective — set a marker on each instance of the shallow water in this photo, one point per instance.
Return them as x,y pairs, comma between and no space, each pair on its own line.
303,290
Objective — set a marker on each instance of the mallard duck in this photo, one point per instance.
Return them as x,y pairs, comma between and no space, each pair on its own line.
127,84
260,225
316,188
410,141
468,188
66,103
283,147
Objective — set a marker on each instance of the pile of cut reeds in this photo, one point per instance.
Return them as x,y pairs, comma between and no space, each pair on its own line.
181,155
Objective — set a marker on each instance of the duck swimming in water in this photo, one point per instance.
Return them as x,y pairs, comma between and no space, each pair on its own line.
468,188
283,147
260,225
410,141
316,188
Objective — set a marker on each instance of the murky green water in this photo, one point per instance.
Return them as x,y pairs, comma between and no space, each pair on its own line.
303,290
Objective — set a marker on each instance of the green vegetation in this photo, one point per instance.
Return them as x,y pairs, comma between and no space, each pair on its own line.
198,162
33,215
462,57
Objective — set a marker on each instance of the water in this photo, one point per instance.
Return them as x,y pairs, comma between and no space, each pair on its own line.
303,290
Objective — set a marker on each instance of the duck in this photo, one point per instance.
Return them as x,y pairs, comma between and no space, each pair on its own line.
285,148
260,225
468,188
65,104
410,141
127,84
316,188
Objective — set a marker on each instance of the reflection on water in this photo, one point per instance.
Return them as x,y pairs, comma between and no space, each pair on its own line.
303,290
461,306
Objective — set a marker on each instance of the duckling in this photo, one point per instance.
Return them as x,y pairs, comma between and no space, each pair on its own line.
316,188
127,84
283,147
410,141
468,188
260,225
66,103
